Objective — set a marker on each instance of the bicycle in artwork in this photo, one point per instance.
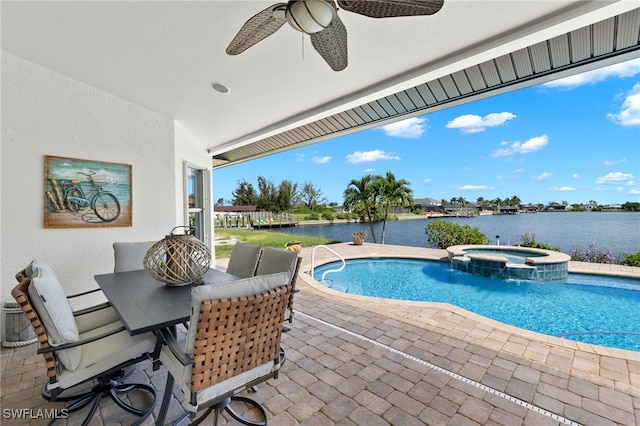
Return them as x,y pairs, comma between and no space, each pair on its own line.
81,193
102,204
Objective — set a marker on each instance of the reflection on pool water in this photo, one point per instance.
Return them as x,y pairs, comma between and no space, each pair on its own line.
601,310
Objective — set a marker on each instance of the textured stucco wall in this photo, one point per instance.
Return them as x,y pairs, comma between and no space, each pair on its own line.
45,113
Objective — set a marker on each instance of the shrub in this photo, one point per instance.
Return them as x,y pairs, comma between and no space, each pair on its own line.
593,255
442,234
313,216
301,209
631,259
529,240
328,215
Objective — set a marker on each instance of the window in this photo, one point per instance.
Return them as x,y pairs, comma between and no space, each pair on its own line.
197,202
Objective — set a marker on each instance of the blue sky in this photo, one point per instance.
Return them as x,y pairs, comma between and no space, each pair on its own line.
576,139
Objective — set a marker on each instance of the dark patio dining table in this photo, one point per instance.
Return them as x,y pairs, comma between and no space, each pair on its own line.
148,305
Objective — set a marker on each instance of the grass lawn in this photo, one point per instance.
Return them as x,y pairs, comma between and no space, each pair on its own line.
263,239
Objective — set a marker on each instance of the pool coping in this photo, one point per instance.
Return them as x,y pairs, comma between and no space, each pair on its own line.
545,256
372,250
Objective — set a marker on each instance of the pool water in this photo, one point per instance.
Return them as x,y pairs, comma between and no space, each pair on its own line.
511,256
600,310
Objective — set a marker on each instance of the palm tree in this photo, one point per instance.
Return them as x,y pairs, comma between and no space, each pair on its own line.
361,196
393,192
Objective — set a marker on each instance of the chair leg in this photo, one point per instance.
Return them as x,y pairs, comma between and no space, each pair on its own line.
123,389
225,405
105,386
248,401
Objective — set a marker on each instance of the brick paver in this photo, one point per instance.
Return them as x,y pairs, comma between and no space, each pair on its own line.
362,361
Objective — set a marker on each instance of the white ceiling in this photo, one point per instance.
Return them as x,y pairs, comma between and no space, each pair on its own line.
164,55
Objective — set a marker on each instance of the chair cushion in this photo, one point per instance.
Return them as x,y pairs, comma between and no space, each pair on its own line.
239,288
104,354
243,260
129,256
50,302
97,318
277,260
182,377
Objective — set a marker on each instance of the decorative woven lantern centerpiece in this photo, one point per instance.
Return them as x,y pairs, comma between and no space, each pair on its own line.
178,259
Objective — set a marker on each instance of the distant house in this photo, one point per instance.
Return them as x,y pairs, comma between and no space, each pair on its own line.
555,208
508,210
528,208
427,205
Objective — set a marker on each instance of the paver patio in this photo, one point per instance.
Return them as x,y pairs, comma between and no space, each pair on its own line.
364,361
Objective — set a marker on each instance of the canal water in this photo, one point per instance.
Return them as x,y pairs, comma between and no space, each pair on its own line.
614,232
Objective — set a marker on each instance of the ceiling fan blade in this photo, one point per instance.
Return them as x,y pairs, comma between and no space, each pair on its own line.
257,28
331,44
391,8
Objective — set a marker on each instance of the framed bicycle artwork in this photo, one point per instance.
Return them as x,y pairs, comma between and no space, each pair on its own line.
86,194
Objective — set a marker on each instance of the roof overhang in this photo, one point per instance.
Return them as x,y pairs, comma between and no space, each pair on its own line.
164,55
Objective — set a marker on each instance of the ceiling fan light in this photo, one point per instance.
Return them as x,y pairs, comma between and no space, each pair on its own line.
310,16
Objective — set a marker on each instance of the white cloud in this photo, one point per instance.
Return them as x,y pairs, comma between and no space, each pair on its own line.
321,160
562,189
622,70
614,162
516,174
370,156
428,180
471,123
369,170
543,176
575,176
614,178
409,129
531,145
475,188
634,192
629,114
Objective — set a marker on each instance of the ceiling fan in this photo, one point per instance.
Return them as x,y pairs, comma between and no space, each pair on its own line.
319,19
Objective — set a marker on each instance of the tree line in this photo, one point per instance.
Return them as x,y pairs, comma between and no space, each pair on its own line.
370,197
267,197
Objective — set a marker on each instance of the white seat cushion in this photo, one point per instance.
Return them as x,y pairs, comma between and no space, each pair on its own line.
182,377
106,353
129,256
97,319
243,260
275,260
50,302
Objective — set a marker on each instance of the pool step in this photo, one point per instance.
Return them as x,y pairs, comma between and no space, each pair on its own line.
519,266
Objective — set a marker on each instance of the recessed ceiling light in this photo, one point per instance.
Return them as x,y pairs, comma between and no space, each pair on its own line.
219,87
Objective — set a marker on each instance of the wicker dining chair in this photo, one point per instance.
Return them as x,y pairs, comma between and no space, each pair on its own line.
233,344
274,260
243,260
80,347
129,255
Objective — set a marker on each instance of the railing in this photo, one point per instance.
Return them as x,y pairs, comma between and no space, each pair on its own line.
313,258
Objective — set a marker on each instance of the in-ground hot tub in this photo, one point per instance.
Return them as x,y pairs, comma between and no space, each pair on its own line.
510,262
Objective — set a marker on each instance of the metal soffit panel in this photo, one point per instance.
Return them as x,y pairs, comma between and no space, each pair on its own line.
609,38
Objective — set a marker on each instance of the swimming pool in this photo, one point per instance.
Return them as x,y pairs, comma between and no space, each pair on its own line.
601,310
